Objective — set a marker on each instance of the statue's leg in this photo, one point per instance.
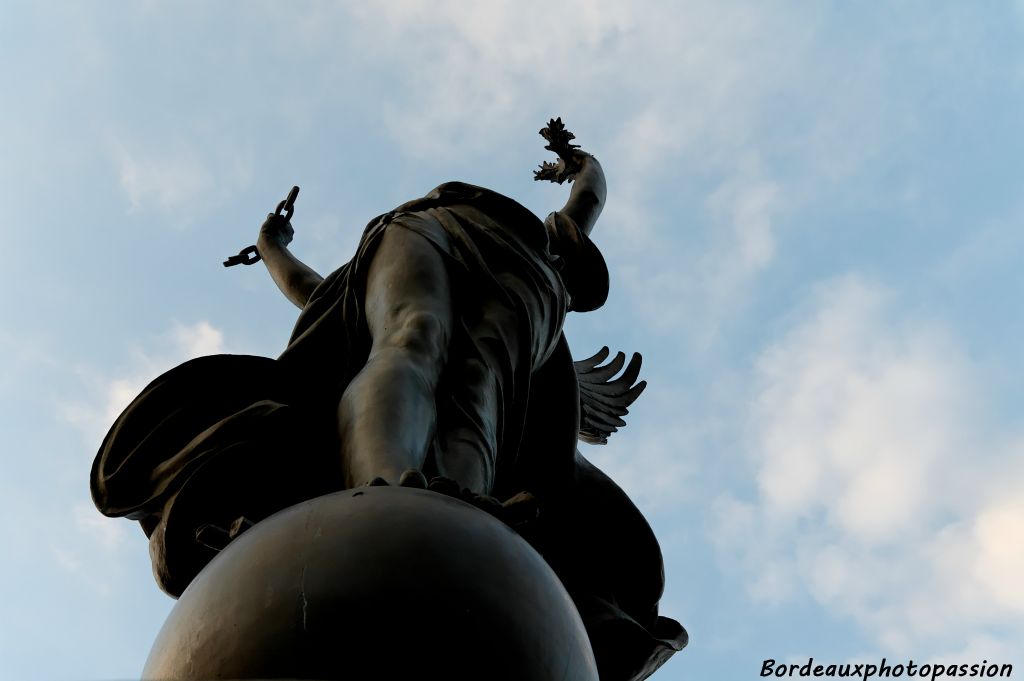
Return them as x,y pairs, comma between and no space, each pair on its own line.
388,413
480,381
468,447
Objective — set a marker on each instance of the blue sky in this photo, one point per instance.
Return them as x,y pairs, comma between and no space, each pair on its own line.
814,232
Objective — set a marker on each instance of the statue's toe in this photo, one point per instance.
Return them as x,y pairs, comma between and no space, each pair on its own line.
413,478
484,502
446,486
520,509
517,511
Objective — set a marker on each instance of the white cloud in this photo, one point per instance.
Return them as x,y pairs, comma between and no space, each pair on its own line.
744,204
90,548
881,407
90,540
986,248
691,292
108,533
689,83
879,493
67,560
997,537
978,648
199,339
469,71
184,173
167,181
649,465
24,353
109,395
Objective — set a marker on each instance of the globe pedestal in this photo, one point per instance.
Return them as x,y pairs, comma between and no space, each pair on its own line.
376,583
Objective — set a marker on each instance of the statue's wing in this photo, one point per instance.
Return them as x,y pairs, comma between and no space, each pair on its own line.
604,400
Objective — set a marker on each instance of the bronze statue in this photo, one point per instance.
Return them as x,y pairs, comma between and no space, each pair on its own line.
433,360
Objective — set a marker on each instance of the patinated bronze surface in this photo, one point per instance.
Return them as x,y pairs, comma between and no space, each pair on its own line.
377,583
432,364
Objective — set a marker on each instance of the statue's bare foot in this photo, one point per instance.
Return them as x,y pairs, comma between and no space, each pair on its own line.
410,478
518,510
413,478
521,509
445,486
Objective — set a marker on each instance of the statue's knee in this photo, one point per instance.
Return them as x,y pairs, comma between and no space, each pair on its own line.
420,333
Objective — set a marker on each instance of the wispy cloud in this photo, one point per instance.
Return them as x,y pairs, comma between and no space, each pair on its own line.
90,548
879,492
166,181
651,465
88,540
470,72
109,395
191,171
744,206
108,533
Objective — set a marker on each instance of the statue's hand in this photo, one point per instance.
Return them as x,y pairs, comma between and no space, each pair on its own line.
276,231
570,157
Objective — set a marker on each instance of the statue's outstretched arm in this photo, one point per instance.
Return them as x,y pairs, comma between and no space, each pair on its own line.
589,190
586,200
295,279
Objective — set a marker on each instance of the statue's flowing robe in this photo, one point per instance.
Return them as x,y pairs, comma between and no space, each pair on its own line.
226,436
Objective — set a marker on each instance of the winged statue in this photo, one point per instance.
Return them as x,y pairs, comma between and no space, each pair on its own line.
433,359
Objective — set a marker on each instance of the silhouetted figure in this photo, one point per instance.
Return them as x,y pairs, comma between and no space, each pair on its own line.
434,358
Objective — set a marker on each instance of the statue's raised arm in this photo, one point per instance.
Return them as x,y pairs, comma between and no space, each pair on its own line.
589,190
582,266
296,279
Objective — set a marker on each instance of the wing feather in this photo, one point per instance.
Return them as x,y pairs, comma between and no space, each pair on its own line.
604,399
